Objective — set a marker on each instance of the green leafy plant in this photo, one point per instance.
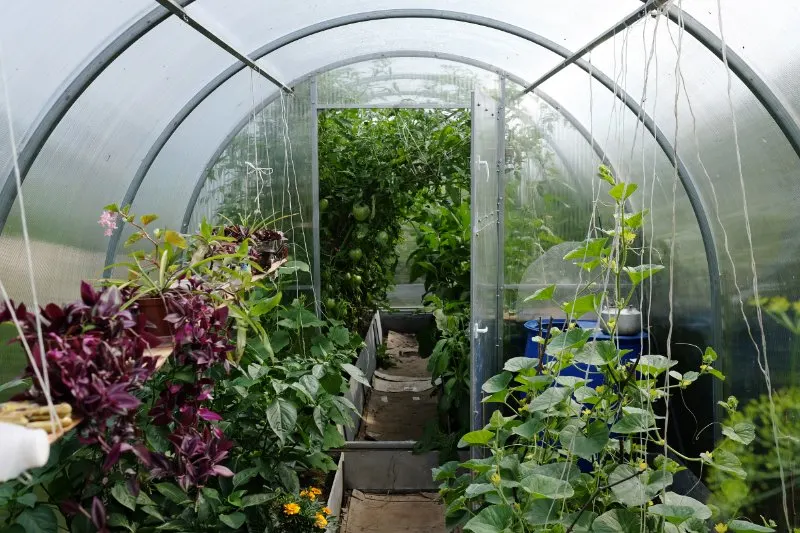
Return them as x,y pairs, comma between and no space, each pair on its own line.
565,455
375,166
749,434
442,255
270,415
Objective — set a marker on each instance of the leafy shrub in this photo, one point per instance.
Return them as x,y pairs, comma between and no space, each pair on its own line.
566,455
374,167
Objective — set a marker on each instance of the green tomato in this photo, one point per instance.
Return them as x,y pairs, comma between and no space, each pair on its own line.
348,276
362,232
361,212
356,254
330,303
323,205
382,238
356,280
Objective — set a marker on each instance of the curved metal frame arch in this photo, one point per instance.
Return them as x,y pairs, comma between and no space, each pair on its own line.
688,183
68,94
192,202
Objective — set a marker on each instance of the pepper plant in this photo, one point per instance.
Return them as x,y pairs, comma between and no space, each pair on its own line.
564,456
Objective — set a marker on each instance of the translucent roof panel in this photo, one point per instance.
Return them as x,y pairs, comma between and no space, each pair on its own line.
704,125
398,80
255,22
760,37
93,153
39,52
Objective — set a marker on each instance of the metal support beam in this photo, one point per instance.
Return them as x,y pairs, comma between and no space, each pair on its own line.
66,95
195,195
634,17
314,133
181,13
500,168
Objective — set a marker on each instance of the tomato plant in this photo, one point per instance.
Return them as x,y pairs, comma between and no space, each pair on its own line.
376,168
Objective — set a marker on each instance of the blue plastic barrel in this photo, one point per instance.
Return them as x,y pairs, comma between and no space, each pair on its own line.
595,378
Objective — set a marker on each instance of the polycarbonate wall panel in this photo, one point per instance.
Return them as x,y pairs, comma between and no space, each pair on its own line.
92,155
765,38
42,44
706,140
637,158
265,174
414,81
550,170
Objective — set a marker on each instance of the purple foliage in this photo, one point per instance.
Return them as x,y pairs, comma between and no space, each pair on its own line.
94,351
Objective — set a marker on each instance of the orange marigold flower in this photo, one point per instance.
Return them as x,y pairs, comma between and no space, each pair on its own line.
321,522
326,510
291,508
304,493
315,491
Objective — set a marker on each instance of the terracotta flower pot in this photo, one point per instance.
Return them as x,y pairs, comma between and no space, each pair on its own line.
155,310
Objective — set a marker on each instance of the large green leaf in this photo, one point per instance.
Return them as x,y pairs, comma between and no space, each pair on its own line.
580,306
675,514
123,496
172,492
545,293
265,306
701,511
587,442
494,519
529,428
542,511
569,339
282,417
579,522
479,437
497,383
356,373
547,487
233,520
549,399
592,353
743,432
243,476
517,364
622,191
476,489
40,519
257,499
618,521
743,526
640,273
339,335
638,421
632,491
728,462
654,365
589,249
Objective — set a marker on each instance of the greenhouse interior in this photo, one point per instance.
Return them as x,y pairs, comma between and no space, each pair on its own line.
436,266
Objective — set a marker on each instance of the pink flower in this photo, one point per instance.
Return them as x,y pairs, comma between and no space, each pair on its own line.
109,221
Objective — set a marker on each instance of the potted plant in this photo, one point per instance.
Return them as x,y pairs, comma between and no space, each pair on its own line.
153,275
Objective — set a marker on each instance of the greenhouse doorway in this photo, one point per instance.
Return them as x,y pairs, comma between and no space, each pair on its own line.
394,197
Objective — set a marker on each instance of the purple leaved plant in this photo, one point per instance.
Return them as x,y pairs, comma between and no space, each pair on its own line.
94,353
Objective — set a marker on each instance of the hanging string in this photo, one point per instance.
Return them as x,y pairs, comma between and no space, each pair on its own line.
761,352
43,377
